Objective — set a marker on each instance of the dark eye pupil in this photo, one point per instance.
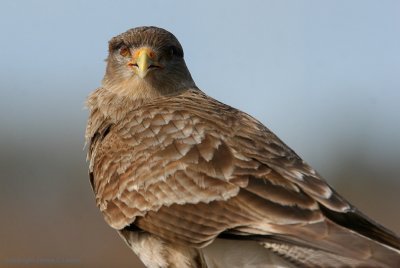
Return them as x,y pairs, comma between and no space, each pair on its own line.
174,51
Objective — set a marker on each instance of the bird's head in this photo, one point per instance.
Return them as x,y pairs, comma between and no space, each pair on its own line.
146,62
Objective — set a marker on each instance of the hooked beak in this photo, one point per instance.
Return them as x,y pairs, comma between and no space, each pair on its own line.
144,60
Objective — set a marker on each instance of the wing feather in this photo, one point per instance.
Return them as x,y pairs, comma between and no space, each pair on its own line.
188,168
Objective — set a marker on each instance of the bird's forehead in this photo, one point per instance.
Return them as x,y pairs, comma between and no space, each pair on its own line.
144,36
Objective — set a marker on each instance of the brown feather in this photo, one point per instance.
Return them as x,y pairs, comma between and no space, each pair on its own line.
174,169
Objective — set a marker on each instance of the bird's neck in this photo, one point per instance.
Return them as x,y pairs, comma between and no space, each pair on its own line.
143,90
133,89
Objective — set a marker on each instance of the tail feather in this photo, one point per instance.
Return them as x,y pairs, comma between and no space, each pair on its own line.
356,221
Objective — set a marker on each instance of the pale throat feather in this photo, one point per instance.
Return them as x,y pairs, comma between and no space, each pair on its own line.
136,88
132,88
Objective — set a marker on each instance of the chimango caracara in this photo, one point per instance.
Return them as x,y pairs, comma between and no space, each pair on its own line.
188,181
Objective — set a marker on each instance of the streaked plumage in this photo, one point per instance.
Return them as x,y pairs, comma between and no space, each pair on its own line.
191,182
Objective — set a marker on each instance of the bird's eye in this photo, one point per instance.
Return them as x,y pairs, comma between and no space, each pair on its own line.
174,51
124,51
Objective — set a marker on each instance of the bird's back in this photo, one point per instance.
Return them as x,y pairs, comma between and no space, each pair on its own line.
195,172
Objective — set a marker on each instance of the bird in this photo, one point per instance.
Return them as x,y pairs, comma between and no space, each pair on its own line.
188,181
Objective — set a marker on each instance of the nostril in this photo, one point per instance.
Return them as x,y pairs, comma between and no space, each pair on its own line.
131,64
151,66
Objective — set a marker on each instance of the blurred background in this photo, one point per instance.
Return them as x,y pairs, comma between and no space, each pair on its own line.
323,75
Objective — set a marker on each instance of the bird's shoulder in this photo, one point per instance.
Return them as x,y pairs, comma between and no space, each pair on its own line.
188,168
188,137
